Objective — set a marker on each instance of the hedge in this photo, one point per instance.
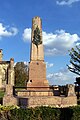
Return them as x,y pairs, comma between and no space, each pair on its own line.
39,113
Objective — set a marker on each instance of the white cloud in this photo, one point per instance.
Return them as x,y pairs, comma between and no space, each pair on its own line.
13,31
27,34
67,2
62,77
7,31
57,43
49,65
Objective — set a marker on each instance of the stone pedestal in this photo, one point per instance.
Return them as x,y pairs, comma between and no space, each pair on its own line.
37,75
8,98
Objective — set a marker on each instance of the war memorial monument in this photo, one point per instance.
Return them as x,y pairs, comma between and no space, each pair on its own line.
38,92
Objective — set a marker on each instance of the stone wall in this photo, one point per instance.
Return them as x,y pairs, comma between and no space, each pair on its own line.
3,73
52,101
35,93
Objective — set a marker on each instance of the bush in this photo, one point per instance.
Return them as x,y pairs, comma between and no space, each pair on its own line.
66,114
39,113
76,113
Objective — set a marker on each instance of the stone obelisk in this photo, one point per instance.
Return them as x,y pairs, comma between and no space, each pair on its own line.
37,66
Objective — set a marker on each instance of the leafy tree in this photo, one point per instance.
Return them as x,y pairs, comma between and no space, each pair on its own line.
37,38
75,60
21,74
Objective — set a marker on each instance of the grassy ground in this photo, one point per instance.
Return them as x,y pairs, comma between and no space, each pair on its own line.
1,94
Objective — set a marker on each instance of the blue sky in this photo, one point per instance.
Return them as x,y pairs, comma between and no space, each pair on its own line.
61,32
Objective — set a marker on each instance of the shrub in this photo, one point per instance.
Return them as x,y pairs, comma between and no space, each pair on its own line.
39,113
76,113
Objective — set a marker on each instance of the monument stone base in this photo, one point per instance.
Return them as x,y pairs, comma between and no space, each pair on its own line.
34,98
52,101
9,98
37,75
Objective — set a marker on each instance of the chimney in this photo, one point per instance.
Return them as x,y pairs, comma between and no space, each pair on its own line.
1,55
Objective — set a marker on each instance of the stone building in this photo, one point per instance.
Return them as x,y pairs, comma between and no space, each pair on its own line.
5,70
